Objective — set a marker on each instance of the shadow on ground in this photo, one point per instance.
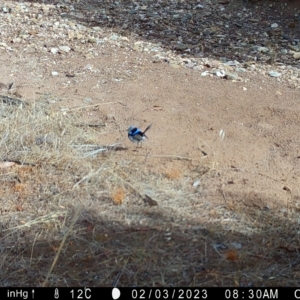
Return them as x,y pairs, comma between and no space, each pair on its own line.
102,252
227,30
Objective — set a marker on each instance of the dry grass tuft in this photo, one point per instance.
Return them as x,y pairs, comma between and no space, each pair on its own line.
59,225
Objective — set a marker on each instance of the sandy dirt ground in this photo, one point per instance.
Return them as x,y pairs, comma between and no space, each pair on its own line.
233,144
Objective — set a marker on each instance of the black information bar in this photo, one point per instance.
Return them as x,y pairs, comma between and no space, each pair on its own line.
149,293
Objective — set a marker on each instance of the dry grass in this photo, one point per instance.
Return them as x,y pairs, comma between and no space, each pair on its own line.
59,224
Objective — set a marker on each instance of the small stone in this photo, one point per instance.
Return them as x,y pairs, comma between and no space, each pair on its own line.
6,9
114,37
54,189
54,50
274,25
97,28
89,56
133,12
54,73
16,40
231,63
87,100
296,55
232,76
196,183
244,88
92,40
81,27
220,73
240,70
88,67
236,245
65,48
138,46
262,49
174,65
190,65
71,35
274,74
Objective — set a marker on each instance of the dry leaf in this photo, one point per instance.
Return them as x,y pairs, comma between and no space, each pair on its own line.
19,188
19,207
118,196
231,255
173,174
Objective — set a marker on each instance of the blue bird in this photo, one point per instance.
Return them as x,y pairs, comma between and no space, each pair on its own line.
136,135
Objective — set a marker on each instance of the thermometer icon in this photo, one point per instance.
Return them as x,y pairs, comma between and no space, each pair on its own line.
56,295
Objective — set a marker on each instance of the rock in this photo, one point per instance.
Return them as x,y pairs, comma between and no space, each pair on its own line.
232,76
175,65
92,40
138,46
87,100
205,73
65,48
133,12
54,50
231,63
71,34
240,70
236,245
220,73
261,49
6,9
88,67
274,25
196,183
114,37
16,40
274,74
89,56
156,61
81,27
54,73
296,55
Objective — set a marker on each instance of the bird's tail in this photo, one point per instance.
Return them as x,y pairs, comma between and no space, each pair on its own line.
147,128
